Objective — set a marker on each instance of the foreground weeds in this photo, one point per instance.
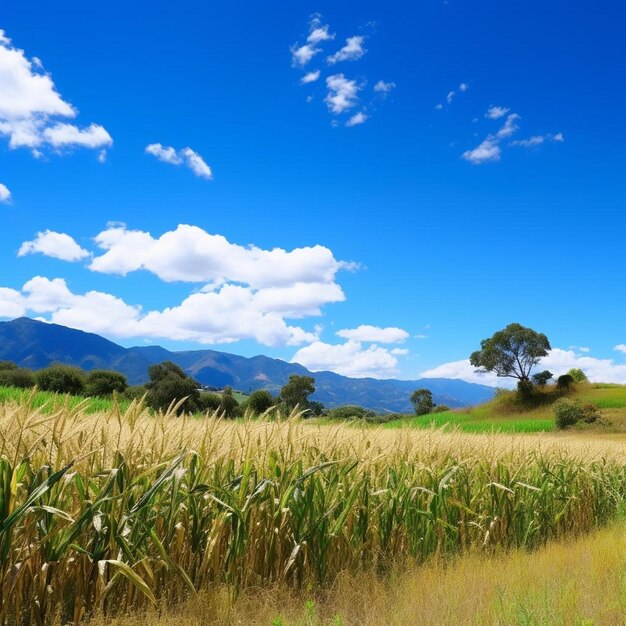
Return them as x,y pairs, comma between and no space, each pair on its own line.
120,511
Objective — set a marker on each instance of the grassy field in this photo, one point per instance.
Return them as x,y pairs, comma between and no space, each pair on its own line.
502,415
49,402
115,512
578,582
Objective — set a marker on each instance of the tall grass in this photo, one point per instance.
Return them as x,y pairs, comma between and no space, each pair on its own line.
119,510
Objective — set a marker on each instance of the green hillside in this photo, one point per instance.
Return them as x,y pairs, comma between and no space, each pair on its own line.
504,414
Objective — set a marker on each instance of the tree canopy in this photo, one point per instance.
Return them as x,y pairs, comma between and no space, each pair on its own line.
422,400
511,352
297,391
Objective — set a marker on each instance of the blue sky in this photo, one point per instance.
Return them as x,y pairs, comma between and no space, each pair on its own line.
454,167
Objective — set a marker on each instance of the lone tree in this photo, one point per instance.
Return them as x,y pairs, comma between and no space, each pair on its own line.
422,400
511,353
297,391
103,383
229,407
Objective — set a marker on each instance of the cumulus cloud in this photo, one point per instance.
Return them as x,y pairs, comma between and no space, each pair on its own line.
384,88
620,347
185,156
318,32
5,194
31,108
450,96
349,359
62,135
356,119
236,313
310,77
342,93
352,51
496,112
301,55
463,87
558,362
366,333
191,254
489,149
55,245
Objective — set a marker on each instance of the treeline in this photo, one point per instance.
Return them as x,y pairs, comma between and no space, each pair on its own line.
168,383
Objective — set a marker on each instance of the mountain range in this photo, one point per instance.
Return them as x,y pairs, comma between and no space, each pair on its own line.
35,344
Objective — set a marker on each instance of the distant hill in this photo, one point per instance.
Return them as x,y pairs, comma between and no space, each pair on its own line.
35,344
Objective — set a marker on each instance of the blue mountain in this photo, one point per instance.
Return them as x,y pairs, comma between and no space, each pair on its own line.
34,344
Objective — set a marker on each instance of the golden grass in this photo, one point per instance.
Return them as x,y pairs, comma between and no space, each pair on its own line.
117,511
567,583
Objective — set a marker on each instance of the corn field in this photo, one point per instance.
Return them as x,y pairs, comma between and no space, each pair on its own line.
112,512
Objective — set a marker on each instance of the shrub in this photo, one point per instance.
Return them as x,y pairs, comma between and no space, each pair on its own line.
61,379
349,412
103,383
260,401
209,402
229,407
16,377
541,378
565,381
7,365
570,412
134,392
440,408
578,375
525,390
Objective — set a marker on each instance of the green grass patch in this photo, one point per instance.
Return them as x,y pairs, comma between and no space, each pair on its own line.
475,421
50,402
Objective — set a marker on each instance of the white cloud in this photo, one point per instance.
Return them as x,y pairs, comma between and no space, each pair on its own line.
348,359
197,164
356,119
318,32
191,254
463,87
439,107
496,112
510,127
55,245
302,55
450,96
352,51
558,362
5,194
186,156
167,154
382,87
30,106
11,301
537,140
310,77
620,347
62,135
236,313
368,334
488,150
342,93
